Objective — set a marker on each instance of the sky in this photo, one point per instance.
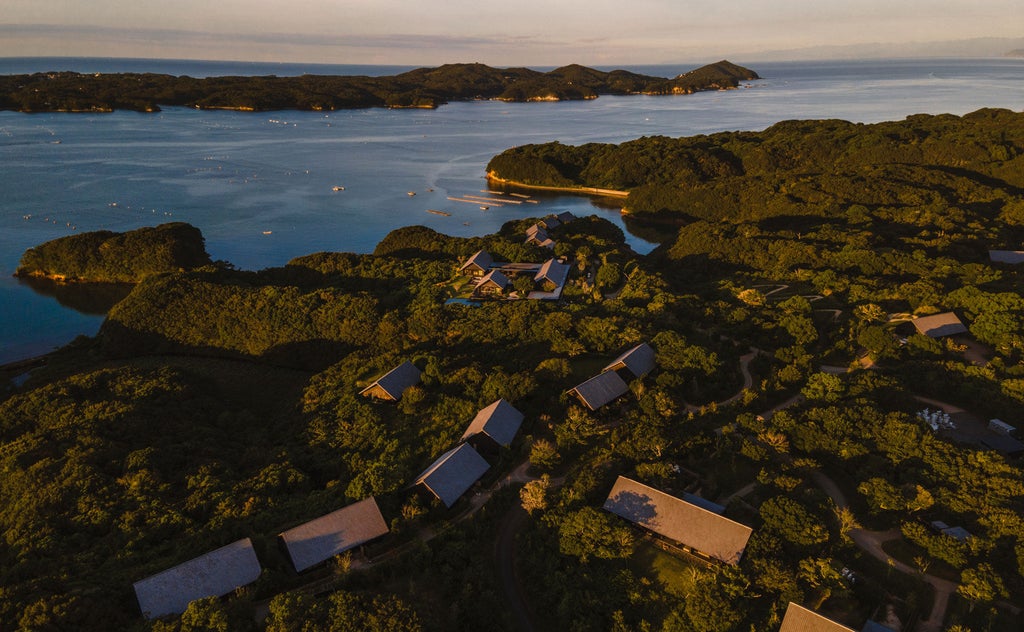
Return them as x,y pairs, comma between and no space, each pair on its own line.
509,33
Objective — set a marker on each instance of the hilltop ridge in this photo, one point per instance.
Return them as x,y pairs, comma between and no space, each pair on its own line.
419,88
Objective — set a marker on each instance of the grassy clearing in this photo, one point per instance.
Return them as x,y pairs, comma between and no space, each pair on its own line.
676,574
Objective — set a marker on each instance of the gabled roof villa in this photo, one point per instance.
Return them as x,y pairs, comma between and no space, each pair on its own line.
214,574
639,361
321,539
392,384
800,619
500,421
554,272
478,264
609,384
939,325
453,473
692,526
493,281
600,390
537,235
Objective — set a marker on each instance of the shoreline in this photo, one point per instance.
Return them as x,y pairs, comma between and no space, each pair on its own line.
541,187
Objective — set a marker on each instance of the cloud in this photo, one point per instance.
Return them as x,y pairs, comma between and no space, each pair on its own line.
392,41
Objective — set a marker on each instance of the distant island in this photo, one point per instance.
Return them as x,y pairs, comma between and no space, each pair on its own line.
420,88
1019,52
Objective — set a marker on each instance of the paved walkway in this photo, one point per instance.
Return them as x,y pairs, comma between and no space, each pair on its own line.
748,382
871,543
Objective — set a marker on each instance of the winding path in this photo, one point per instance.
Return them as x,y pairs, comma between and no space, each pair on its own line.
748,382
871,543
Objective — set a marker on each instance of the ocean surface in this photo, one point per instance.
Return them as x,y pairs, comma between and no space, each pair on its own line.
260,185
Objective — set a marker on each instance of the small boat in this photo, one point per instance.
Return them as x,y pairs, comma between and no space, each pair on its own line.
436,212
268,232
484,208
337,188
411,193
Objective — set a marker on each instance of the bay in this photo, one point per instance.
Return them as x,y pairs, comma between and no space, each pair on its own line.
260,185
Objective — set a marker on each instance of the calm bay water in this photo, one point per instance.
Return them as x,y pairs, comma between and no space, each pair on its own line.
259,185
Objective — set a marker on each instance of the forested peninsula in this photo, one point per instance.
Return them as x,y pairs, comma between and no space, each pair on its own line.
908,170
833,380
420,88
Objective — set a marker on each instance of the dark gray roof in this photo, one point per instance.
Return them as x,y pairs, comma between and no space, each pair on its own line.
1006,256
565,217
639,360
453,473
211,575
686,523
499,421
496,277
958,533
395,381
1004,444
480,259
538,236
938,325
800,619
551,222
320,539
554,271
601,389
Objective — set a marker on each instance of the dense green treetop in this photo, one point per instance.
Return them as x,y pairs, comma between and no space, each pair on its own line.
423,87
109,257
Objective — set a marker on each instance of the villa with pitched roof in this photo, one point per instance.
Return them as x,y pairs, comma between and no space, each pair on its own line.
536,234
494,282
479,264
392,384
800,619
638,361
453,473
600,390
499,422
939,325
321,539
694,527
214,574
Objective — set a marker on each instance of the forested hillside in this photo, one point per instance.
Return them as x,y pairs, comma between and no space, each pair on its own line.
966,170
790,385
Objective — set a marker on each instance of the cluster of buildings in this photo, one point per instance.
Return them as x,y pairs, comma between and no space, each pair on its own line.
494,279
538,233
696,525
230,567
